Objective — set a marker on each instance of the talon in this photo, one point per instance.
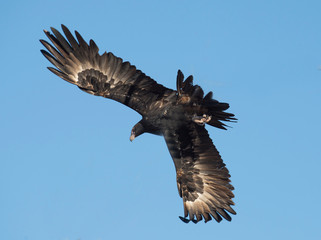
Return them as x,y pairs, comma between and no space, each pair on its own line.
207,118
202,120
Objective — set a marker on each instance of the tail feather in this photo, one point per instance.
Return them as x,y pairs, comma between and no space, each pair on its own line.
208,105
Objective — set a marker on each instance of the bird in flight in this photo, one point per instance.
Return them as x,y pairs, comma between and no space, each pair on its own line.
179,115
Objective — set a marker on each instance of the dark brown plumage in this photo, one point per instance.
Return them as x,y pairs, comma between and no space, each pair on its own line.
180,116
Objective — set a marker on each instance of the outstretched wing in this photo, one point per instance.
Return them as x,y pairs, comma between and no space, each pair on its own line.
102,75
202,178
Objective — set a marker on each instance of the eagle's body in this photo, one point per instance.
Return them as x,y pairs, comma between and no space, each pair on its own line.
202,179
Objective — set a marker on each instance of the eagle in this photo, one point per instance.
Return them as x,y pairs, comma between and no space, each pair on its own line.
179,115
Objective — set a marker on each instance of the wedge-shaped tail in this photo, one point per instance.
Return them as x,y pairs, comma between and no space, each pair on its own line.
194,95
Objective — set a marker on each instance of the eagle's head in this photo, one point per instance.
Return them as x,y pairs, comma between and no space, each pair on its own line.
137,130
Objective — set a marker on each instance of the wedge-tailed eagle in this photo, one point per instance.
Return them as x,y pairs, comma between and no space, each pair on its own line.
178,115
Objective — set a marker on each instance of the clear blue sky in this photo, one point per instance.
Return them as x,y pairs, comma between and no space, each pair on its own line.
67,168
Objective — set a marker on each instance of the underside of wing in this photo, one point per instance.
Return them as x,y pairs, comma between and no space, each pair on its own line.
103,75
202,178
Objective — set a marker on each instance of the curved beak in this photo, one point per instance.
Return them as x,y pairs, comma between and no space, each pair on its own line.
132,137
